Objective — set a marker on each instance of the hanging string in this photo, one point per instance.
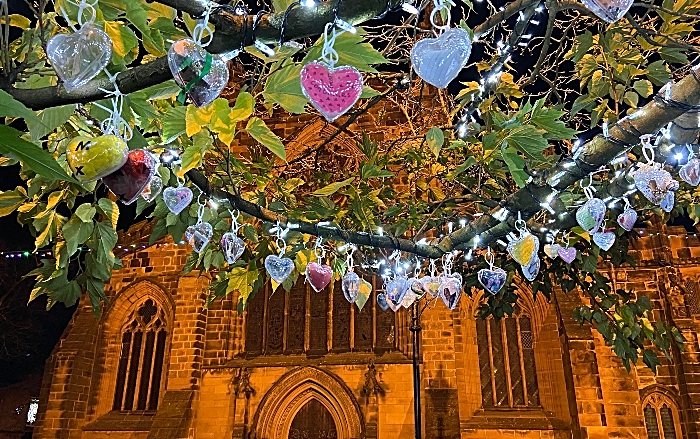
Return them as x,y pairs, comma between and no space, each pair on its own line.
115,124
83,7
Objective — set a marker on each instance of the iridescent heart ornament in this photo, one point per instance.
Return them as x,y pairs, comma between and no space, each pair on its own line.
94,158
278,268
232,247
530,271
177,198
567,254
199,235
655,183
591,215
439,60
524,249
131,179
451,289
351,286
492,279
552,250
201,75
604,240
331,90
690,172
79,57
152,189
609,10
627,218
318,275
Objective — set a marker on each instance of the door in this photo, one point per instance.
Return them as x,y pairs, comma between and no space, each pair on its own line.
313,421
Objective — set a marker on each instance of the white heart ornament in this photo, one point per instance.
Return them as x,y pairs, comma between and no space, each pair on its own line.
439,60
408,298
627,219
552,250
530,271
278,268
690,172
199,235
604,240
79,57
201,76
177,199
591,215
351,286
492,280
232,246
609,10
655,183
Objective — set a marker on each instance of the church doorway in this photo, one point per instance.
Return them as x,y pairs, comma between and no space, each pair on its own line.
313,421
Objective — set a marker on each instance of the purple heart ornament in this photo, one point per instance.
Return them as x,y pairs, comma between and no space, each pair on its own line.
567,254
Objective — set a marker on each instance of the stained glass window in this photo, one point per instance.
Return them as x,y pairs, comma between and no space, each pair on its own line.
661,417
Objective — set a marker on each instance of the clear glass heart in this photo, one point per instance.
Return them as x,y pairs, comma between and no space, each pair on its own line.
408,299
668,202
396,288
552,250
199,235
530,271
690,172
278,268
654,182
492,280
318,275
431,285
382,301
177,199
439,60
232,247
351,286
609,10
153,189
201,75
591,215
451,289
79,57
604,240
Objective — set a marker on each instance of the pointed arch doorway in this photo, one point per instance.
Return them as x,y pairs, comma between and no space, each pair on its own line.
313,421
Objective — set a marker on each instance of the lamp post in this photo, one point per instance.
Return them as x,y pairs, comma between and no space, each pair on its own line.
415,329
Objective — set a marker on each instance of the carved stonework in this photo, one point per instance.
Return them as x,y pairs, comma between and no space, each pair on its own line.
372,385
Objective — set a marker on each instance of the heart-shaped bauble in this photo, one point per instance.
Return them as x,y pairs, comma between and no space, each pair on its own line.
431,285
382,301
604,240
79,57
130,180
492,280
530,271
332,91
363,294
567,254
668,202
591,215
396,288
654,183
627,219
278,268
232,246
552,250
524,249
609,10
439,60
90,159
451,290
199,235
351,286
690,172
318,275
152,189
201,76
177,198
408,298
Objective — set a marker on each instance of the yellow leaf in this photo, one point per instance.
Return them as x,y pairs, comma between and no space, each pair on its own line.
17,20
196,119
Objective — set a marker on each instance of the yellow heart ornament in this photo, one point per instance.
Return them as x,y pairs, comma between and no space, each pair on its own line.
524,249
94,158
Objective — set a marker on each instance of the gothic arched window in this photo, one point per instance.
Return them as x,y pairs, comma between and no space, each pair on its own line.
507,362
141,359
661,417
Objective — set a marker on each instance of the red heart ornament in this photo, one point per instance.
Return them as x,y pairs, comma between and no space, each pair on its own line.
332,91
319,276
128,182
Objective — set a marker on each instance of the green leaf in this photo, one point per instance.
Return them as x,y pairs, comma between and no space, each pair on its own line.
242,279
283,88
36,158
107,239
13,108
658,73
527,140
260,132
173,124
11,200
86,212
76,232
372,171
435,138
352,51
515,164
281,5
48,120
109,209
124,41
193,155
643,87
244,107
333,188
368,92
471,161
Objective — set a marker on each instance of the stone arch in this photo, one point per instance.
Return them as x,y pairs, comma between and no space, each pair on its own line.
293,390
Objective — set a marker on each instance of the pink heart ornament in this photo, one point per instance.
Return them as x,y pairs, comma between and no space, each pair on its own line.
690,172
79,57
492,280
199,235
351,286
318,275
177,199
627,219
604,240
567,254
232,246
530,271
439,60
187,61
332,91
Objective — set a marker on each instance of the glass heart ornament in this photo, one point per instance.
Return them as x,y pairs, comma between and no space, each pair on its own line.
668,202
318,275
431,285
396,288
604,240
152,189
439,60
382,301
654,182
492,279
451,290
278,268
567,254
331,90
530,271
408,299
79,57
524,249
552,250
201,75
609,10
232,247
91,159
690,172
591,215
177,198
627,218
199,235
129,181
351,286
